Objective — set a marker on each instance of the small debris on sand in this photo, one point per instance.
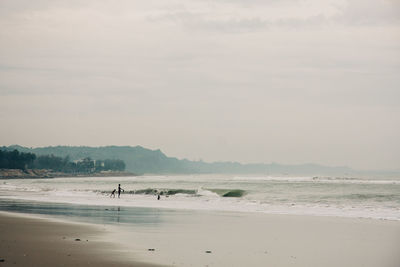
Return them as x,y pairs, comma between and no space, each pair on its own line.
77,239
208,251
151,249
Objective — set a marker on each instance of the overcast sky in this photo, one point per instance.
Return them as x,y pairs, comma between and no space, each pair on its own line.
288,81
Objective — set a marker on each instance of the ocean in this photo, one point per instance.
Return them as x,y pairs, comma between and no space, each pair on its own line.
366,197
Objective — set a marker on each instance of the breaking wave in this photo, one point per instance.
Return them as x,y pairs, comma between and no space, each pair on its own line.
190,192
229,192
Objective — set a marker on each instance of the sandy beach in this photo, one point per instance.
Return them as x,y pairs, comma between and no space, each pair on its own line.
202,239
30,241
248,239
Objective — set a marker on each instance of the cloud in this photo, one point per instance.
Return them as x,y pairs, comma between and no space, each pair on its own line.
227,16
199,21
369,12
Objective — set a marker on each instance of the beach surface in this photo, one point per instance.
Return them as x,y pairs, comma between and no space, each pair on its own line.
31,241
202,239
248,239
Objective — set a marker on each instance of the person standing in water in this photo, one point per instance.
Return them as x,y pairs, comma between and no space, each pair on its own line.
119,190
113,193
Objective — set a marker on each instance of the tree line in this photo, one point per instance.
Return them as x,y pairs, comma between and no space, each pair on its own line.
21,160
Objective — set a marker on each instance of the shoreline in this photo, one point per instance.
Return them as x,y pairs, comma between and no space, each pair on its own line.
111,205
29,240
8,174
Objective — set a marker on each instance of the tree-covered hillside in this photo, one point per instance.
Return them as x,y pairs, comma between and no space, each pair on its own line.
14,159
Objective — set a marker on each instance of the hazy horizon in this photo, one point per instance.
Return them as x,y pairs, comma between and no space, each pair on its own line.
287,81
219,161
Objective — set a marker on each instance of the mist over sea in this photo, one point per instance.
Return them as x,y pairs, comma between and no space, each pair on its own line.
326,196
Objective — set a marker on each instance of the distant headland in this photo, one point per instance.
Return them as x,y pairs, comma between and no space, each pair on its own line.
139,160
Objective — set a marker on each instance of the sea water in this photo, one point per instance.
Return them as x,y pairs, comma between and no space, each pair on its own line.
376,198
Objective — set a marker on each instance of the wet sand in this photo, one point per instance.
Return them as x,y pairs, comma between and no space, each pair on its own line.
254,239
203,239
29,241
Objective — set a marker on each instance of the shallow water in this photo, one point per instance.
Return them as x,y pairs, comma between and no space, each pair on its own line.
94,214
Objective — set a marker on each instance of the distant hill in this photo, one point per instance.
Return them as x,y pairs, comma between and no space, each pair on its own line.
141,160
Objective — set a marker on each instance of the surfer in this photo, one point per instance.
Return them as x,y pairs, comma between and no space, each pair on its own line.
119,190
113,193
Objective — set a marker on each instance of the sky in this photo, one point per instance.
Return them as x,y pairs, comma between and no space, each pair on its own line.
286,81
